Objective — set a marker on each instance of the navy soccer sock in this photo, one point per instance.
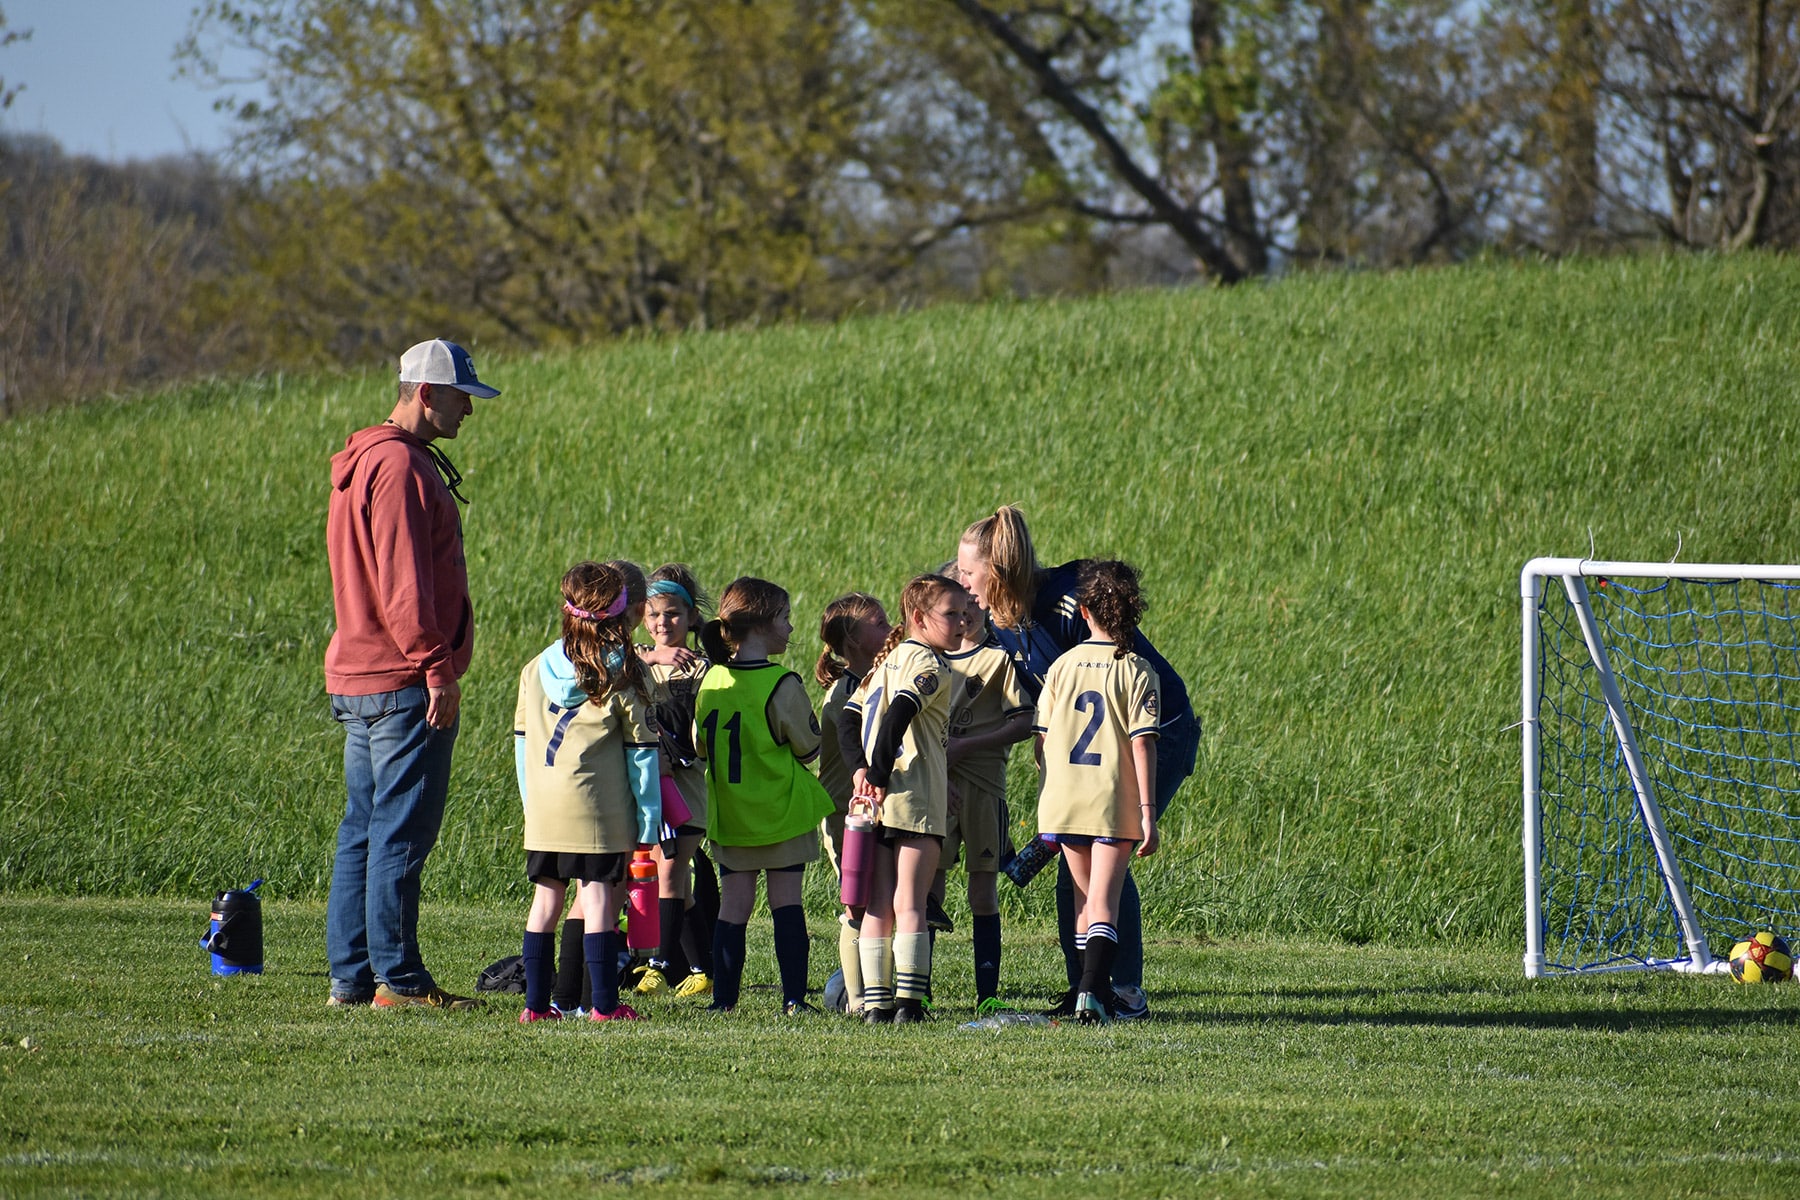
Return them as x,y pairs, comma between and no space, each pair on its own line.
571,968
985,933
1096,971
704,914
601,950
728,963
791,951
675,959
539,968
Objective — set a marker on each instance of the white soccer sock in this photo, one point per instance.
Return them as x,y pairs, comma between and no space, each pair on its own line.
877,972
912,965
850,959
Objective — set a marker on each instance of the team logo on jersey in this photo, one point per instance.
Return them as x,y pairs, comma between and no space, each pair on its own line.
1150,704
925,684
973,687
814,722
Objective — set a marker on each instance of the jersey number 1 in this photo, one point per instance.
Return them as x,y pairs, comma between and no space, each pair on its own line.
734,750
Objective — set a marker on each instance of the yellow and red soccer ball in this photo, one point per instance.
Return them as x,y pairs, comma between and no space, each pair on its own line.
1762,958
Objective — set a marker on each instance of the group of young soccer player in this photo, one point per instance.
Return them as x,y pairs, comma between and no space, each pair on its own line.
915,731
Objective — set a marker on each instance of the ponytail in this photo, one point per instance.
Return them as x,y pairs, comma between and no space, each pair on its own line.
1003,542
746,604
714,642
836,624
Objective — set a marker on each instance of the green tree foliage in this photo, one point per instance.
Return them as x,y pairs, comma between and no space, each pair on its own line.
551,170
542,172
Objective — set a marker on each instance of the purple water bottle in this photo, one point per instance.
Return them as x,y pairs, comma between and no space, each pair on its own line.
858,862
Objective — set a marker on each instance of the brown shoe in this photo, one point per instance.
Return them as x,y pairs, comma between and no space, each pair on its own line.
437,997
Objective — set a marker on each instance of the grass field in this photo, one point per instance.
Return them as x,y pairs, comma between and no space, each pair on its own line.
1331,482
1274,1067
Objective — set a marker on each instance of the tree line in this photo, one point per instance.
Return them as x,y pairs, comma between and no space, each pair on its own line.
544,172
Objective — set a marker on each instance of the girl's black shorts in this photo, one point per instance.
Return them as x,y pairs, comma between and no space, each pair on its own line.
560,866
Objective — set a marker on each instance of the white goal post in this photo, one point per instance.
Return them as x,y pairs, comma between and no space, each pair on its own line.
1661,761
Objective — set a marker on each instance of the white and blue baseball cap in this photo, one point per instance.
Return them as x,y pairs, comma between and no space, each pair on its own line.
444,363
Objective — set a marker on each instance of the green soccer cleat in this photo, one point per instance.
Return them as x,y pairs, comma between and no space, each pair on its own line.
1089,1010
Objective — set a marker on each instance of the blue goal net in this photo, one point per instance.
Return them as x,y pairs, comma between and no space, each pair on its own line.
1704,691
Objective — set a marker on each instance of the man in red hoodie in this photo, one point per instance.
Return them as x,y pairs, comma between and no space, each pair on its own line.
405,631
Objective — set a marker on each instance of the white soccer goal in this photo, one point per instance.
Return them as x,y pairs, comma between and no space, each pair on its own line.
1662,762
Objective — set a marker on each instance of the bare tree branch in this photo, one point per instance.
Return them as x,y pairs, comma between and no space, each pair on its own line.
1169,210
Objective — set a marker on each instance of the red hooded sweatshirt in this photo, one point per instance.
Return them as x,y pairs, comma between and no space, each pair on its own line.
398,578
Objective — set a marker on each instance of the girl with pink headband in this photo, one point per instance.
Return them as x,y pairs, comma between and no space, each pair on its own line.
583,725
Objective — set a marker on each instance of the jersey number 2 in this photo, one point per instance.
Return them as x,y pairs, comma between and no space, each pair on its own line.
734,750
1081,756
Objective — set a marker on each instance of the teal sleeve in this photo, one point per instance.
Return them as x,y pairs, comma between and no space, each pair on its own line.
519,764
644,768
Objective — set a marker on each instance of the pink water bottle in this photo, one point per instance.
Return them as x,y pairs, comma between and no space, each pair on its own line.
858,862
643,932
675,812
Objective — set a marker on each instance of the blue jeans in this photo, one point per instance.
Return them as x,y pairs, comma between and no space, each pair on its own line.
396,775
1177,746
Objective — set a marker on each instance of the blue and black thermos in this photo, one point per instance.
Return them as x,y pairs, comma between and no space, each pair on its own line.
235,937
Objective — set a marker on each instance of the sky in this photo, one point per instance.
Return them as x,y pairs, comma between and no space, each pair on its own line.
98,77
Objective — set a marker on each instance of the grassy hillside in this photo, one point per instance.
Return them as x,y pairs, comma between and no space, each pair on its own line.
1331,484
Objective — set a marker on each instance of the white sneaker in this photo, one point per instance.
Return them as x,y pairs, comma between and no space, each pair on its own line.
1130,1003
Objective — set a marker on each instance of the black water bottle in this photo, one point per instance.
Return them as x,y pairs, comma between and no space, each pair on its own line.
1023,867
235,938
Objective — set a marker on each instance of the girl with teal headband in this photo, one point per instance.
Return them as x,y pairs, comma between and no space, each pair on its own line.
675,669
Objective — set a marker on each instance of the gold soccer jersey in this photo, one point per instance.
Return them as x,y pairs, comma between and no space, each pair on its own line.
918,791
985,694
1092,706
577,793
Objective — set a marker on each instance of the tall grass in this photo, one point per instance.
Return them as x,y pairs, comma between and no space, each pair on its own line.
1331,483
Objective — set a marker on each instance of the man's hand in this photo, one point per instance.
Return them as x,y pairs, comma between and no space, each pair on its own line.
445,703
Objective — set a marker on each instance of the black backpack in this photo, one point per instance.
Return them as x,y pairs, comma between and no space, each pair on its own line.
507,975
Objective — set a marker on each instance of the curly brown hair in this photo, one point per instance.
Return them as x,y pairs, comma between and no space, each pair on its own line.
1109,590
599,646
